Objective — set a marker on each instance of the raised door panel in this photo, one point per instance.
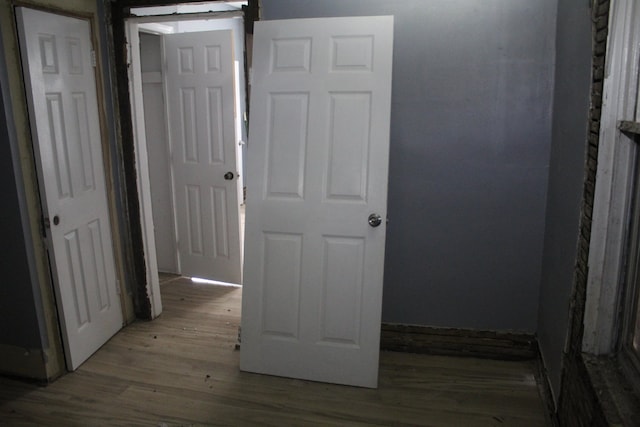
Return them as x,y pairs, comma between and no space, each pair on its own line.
287,116
342,286
281,274
348,129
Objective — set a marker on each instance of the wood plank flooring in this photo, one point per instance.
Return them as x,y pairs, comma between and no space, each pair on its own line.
182,369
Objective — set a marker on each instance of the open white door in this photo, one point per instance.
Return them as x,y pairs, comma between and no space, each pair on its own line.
63,108
200,109
315,230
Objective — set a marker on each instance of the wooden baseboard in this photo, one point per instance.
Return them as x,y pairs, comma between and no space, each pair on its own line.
458,342
545,391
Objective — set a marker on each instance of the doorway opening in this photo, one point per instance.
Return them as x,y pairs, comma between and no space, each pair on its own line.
168,125
338,312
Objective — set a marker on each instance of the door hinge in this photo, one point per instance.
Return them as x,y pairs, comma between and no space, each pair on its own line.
127,47
118,290
44,225
93,58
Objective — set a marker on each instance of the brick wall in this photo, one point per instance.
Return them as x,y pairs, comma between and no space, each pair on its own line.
578,404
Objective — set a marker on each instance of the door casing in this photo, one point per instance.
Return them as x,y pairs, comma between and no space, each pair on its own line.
148,286
119,13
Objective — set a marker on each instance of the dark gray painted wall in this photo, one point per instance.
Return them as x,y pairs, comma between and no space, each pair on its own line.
566,177
470,137
19,321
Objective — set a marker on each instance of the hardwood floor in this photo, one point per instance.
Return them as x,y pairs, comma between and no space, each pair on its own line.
182,369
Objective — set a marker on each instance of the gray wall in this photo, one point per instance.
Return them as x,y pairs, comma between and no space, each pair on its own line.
566,177
19,322
470,138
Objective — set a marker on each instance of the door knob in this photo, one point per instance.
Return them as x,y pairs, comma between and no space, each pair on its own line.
56,220
228,176
375,220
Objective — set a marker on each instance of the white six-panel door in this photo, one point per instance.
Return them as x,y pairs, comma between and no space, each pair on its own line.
63,107
200,105
318,161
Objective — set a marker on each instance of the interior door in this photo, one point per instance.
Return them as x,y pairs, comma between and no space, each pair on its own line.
200,105
63,106
315,230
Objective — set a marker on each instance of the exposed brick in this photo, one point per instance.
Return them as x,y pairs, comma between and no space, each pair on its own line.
595,116
596,98
585,233
601,35
580,276
598,61
578,403
598,73
603,8
586,215
602,22
597,88
583,255
589,191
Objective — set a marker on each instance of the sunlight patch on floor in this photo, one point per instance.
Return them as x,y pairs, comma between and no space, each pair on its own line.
214,282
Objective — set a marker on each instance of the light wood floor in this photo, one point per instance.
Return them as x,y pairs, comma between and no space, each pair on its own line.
182,369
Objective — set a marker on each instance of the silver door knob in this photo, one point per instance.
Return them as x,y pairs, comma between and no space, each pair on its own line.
375,220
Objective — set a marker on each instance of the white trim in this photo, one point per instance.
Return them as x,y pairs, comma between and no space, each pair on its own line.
142,169
611,200
156,28
204,16
185,8
168,147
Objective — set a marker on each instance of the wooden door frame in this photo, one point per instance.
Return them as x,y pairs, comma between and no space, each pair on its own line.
116,14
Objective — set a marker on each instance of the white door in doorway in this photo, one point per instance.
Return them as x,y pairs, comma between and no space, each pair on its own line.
318,158
63,107
200,106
